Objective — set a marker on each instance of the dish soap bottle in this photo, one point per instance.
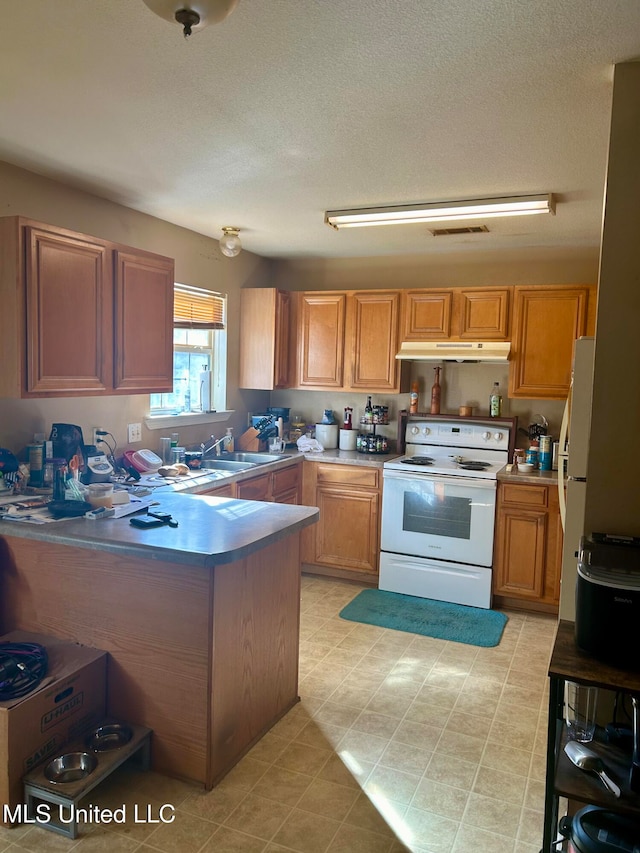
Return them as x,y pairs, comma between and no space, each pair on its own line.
229,442
435,393
495,401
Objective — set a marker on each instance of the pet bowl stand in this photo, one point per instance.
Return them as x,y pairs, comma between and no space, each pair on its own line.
64,795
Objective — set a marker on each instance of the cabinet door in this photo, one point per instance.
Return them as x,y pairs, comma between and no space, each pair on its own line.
483,314
372,340
547,321
285,485
321,340
254,489
264,338
519,566
69,313
347,532
143,323
426,315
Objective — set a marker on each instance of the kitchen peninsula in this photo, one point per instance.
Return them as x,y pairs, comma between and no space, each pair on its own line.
201,621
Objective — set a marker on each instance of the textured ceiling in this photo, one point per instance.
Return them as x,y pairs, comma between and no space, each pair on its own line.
292,107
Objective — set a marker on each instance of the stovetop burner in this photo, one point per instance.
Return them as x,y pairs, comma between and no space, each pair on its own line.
472,465
418,460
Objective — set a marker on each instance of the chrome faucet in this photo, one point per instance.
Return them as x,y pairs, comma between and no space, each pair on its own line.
208,447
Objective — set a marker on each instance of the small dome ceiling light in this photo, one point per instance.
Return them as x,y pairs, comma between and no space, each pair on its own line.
230,244
193,15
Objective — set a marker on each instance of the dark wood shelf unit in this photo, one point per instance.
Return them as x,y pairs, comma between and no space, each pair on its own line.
563,779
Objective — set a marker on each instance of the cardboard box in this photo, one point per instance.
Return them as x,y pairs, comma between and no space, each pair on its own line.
70,700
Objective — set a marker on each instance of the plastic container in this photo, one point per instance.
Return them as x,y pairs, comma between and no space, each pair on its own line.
145,460
100,494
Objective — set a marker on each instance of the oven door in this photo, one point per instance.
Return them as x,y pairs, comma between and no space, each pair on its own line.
446,518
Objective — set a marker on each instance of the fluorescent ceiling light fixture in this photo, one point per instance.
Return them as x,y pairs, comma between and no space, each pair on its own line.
441,211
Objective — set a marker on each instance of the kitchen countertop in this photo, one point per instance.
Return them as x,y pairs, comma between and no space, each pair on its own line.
533,478
211,530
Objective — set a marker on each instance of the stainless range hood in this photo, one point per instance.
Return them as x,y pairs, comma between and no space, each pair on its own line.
490,352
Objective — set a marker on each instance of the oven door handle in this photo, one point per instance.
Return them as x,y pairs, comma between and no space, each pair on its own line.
470,482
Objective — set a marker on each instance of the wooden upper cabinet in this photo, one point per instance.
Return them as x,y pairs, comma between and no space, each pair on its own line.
68,313
348,340
546,323
321,339
483,314
143,300
372,340
265,321
83,316
472,314
426,315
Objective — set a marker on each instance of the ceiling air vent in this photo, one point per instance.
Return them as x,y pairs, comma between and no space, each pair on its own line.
473,229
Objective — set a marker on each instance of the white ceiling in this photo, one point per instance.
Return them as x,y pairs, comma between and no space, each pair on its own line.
292,107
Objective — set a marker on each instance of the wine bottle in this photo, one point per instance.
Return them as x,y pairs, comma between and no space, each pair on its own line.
495,401
368,411
435,393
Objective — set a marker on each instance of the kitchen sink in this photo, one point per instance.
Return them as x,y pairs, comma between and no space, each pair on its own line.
226,465
244,456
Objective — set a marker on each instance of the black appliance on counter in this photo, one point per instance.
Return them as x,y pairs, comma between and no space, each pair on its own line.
608,598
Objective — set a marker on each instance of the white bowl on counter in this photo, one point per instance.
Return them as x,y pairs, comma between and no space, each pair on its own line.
525,467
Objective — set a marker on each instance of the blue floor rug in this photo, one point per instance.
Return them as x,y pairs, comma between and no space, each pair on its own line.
472,625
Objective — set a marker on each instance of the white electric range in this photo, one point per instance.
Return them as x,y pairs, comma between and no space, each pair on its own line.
438,509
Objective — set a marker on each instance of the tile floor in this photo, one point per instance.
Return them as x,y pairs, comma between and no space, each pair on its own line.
400,743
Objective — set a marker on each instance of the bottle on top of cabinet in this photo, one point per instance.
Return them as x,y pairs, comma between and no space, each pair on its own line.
495,401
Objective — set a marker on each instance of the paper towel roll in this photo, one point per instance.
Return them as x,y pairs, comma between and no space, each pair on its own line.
327,435
348,439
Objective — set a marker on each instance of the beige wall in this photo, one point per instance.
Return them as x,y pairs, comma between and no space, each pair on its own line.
198,261
613,472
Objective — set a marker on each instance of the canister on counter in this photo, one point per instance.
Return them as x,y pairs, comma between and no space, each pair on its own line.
533,453
546,453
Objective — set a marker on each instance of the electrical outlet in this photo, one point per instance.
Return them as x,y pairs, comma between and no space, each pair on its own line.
134,433
96,437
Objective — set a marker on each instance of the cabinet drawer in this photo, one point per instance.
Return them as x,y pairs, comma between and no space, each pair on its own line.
527,495
348,475
255,489
286,479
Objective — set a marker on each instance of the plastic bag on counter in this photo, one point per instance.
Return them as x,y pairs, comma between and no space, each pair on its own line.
309,445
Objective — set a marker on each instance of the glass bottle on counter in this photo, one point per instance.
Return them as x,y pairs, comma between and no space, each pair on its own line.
495,401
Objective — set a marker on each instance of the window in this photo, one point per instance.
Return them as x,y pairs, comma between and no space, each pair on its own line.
199,354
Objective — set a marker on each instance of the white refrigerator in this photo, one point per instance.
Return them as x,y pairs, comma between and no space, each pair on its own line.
573,460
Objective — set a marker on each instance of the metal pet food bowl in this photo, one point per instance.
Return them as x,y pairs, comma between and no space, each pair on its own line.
111,736
71,767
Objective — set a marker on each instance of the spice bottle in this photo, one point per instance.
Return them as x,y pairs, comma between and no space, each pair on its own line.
413,398
435,393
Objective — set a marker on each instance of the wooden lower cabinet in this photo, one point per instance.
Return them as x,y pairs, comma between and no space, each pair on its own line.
280,486
528,547
346,540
